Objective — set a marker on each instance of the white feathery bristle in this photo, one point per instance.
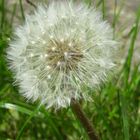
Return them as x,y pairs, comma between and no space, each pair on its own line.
60,48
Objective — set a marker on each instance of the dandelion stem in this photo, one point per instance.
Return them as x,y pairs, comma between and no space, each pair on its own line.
84,120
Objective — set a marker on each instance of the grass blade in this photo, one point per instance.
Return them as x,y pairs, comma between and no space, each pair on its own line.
22,10
15,107
26,123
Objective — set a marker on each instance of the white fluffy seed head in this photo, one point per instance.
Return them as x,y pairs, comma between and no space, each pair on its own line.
69,46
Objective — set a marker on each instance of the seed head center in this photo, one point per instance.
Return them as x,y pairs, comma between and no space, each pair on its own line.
64,54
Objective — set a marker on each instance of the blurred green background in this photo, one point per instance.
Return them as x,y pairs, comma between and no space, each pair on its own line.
115,112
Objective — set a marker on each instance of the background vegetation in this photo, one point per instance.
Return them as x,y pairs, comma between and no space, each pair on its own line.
115,111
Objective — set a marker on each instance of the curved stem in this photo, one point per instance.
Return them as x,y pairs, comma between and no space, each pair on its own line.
84,120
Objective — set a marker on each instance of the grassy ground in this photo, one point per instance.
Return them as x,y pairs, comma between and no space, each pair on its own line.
115,111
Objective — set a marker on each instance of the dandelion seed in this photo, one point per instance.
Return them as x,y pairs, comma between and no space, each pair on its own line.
62,40
70,44
31,54
77,23
44,42
42,56
59,63
33,42
43,32
73,56
51,37
53,48
63,17
49,76
48,67
46,55
51,25
66,54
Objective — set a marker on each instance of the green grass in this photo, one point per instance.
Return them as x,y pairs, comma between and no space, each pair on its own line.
115,112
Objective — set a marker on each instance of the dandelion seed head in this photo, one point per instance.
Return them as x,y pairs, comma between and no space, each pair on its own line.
68,47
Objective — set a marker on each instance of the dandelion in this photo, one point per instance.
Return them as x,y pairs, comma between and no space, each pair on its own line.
60,49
